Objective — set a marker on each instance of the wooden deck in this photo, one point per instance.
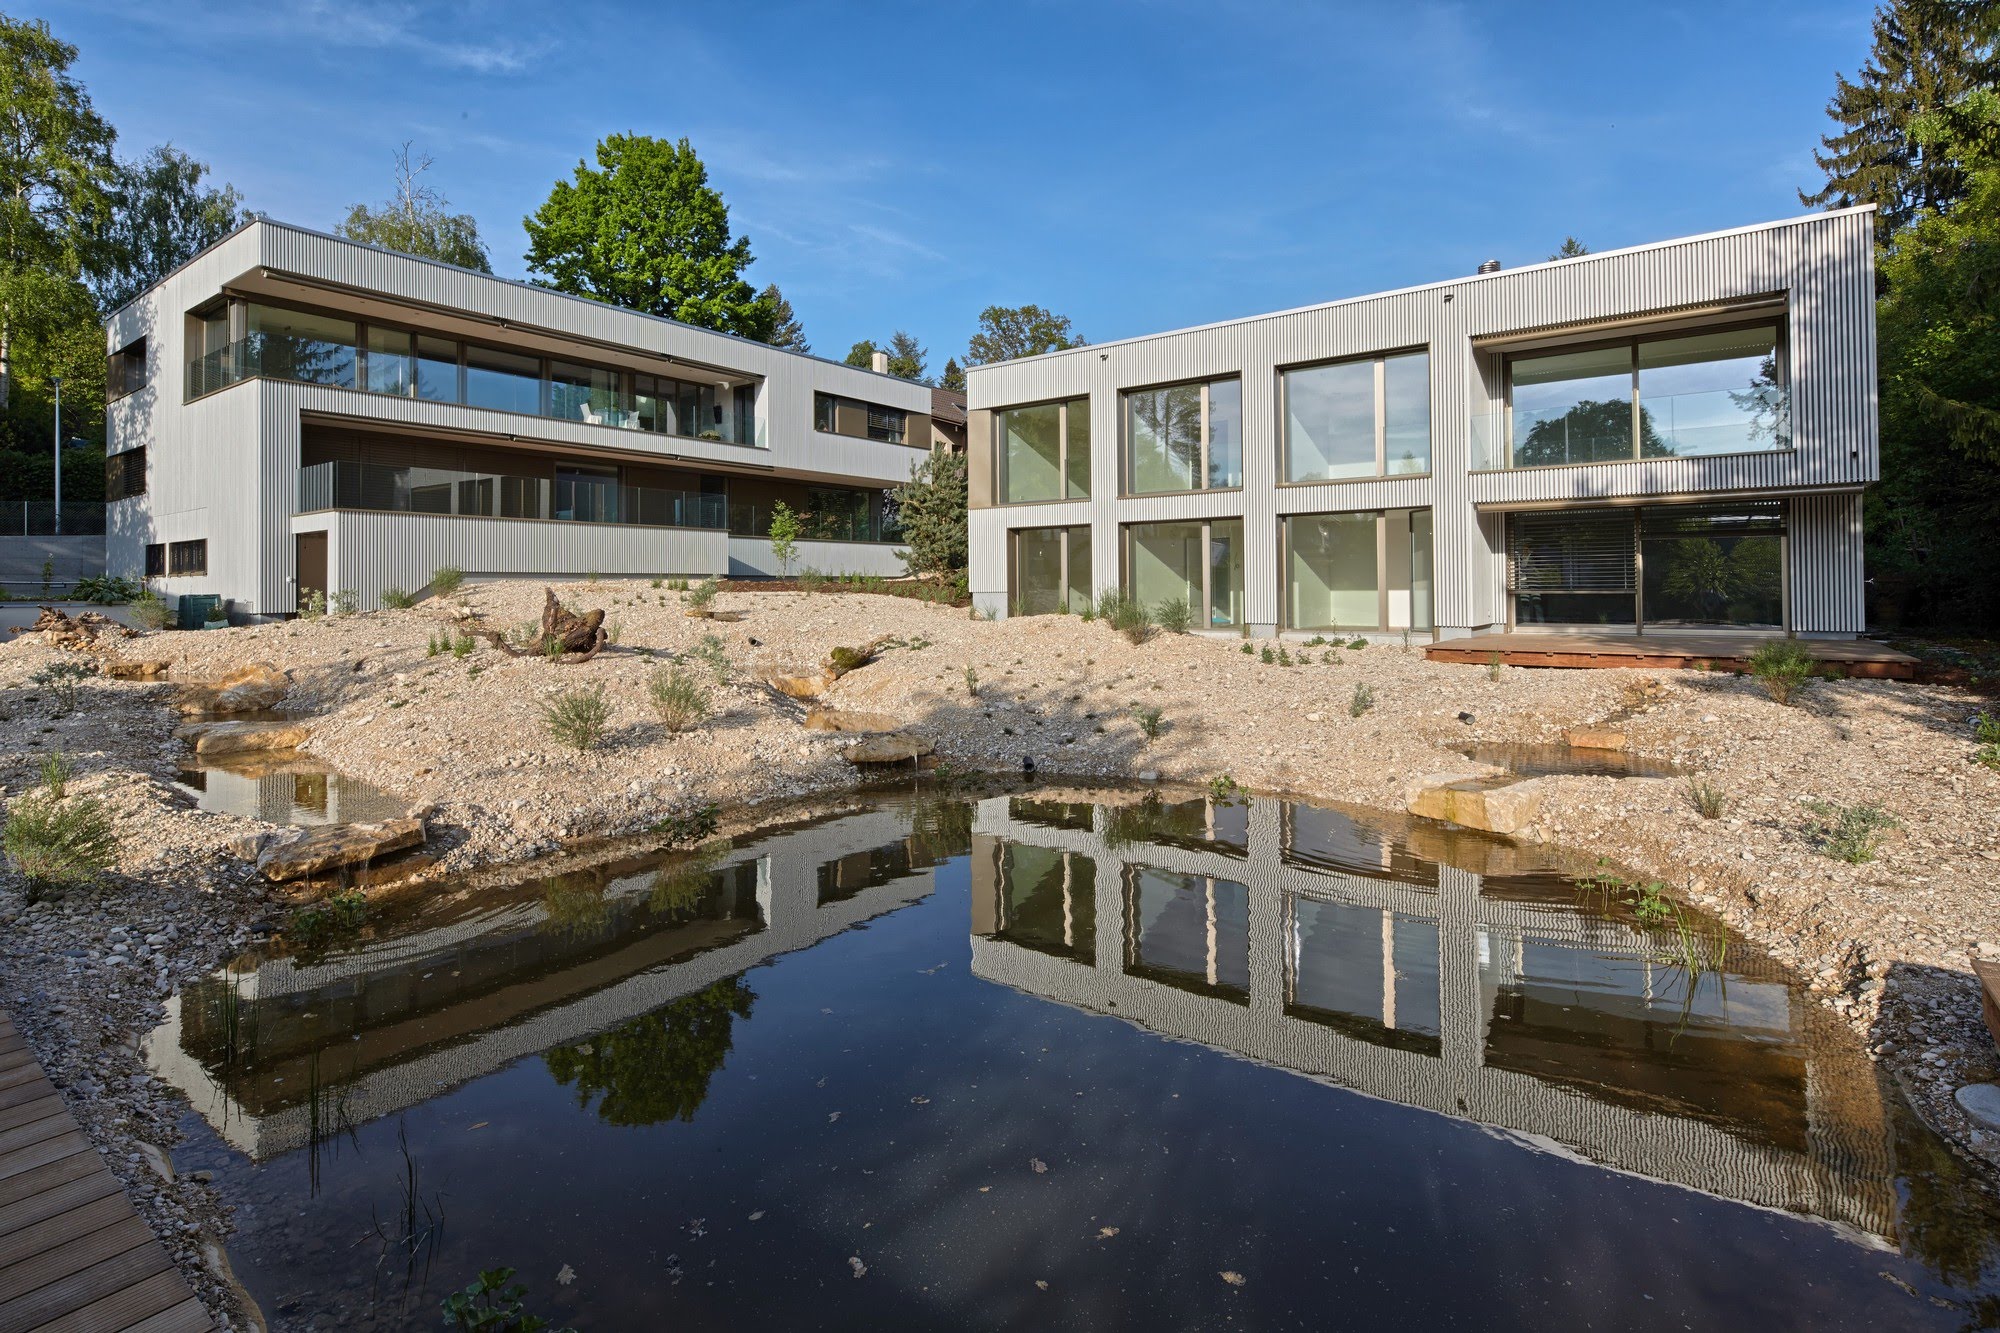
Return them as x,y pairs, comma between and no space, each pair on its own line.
74,1256
1722,652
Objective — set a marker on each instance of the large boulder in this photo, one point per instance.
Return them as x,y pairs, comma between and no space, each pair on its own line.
1594,738
895,747
300,853
212,740
1493,805
798,687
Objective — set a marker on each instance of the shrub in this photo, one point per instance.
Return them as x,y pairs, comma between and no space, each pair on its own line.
149,610
1284,656
1151,723
699,598
577,718
104,589
1782,667
57,770
1494,666
1357,643
784,533
657,582
811,581
1363,700
711,651
679,698
314,605
1708,797
344,603
446,580
1986,736
58,843
1249,650
1124,614
1267,655
59,680
398,600
1850,833
218,614
971,683
433,646
461,646
1173,615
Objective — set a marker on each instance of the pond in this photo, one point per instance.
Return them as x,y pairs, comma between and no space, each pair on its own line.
1079,1058
293,789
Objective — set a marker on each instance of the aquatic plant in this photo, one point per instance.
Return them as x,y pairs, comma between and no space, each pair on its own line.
1783,668
1850,833
336,914
1222,787
688,826
577,718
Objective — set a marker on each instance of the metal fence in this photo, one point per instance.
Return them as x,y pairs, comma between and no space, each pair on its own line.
37,518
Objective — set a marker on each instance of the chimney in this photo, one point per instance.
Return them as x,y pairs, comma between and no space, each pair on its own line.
1490,266
881,360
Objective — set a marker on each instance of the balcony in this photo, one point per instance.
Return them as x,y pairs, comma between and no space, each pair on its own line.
1687,425
423,490
438,371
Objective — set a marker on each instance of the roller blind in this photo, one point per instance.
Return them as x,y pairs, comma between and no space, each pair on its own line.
1588,551
1732,520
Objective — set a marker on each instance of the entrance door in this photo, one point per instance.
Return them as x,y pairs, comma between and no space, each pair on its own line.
309,559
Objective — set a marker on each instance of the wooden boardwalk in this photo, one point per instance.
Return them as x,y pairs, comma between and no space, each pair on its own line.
74,1256
1668,649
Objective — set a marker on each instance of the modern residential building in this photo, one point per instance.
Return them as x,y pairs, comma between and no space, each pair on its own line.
1647,440
292,411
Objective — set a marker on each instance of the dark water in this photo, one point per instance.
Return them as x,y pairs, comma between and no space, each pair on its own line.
1537,761
1027,1061
293,790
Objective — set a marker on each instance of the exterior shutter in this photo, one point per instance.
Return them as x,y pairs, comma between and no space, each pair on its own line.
1573,551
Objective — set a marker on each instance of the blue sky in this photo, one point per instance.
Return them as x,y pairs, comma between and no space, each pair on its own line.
1138,166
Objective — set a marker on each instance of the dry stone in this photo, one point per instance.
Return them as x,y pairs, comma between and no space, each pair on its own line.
1494,805
895,747
300,853
216,739
847,720
1594,738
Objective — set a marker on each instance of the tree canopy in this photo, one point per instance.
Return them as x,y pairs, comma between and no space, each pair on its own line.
417,220
908,358
1007,332
930,509
786,330
166,215
1571,248
643,229
1927,55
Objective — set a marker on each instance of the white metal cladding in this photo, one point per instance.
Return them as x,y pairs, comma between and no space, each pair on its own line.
1821,267
1825,568
368,552
223,468
752,556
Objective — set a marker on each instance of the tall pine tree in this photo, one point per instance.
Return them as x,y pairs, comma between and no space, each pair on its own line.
1928,54
786,329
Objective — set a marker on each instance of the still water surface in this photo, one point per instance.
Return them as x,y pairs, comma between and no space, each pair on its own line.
1062,1059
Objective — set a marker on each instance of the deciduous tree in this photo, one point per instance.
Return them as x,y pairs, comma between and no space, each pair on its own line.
166,215
1007,332
417,220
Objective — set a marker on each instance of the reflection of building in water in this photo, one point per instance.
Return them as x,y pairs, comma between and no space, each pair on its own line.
1438,971
282,1054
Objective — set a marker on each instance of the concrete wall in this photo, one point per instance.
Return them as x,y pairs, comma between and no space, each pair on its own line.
68,559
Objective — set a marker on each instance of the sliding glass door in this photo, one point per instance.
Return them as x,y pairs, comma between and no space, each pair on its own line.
1366,570
1051,571
1199,562
1666,566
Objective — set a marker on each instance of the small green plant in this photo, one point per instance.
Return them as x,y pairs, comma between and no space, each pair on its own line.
1316,641
1173,615
314,606
1222,787
398,600
658,582
577,718
48,578
971,683
1783,668
552,649
446,580
1083,606
614,630
811,581
1150,720
1249,650
57,770
1357,643
336,914
1850,833
102,589
590,576
1708,797
1494,666
149,610
1986,737
1268,656
59,680
344,603
58,842
679,698
784,533
715,654
1363,700
1649,902
489,1305
699,598
1284,656
461,646
218,614
434,646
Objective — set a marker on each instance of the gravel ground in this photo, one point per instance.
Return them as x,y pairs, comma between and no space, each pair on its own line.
1887,944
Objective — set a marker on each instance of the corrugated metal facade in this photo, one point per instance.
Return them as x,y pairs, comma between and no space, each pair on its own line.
224,467
1818,270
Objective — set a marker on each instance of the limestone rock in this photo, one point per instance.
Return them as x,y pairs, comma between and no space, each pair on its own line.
214,739
1494,805
895,747
1981,1101
845,720
150,669
1594,738
299,853
798,687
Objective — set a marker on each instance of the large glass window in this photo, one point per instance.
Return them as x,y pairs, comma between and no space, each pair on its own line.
503,381
1048,900
1199,563
437,370
297,345
1574,567
1189,931
1369,972
1335,576
1051,570
391,368
1184,437
585,393
1715,392
1713,566
1044,452
1367,418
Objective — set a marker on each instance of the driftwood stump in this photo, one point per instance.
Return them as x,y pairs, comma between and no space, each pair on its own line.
576,637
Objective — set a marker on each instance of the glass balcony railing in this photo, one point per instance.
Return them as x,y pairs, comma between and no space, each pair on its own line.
422,490
1687,425
857,523
484,380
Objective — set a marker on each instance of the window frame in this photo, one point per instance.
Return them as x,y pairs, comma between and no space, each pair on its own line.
1205,613
1383,591
1781,359
1380,361
119,467
155,560
869,411
1125,491
176,552
126,371
1062,406
1068,533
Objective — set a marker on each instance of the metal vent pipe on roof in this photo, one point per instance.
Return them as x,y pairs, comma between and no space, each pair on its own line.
1490,266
